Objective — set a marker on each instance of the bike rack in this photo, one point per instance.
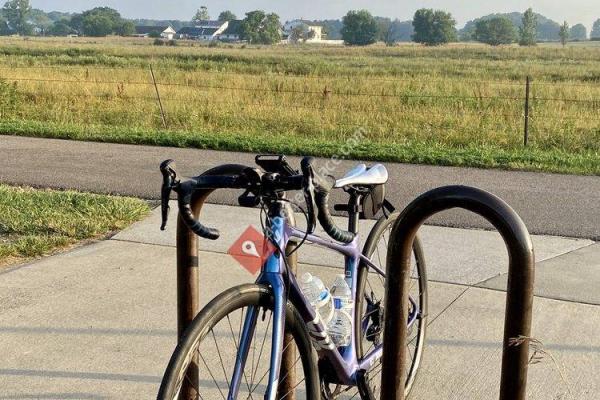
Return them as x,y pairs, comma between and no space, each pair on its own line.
188,290
519,296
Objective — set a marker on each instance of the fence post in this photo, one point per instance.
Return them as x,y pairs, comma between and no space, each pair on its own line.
526,130
162,111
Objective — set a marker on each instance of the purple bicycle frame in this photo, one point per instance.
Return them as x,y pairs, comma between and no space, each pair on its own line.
344,360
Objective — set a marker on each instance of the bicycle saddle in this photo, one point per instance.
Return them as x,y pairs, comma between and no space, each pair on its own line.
363,176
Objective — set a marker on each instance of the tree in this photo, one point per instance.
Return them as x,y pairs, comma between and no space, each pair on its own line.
384,30
578,32
391,32
433,27
97,25
201,15
227,16
16,13
125,28
4,28
359,28
564,33
296,34
57,15
100,21
595,34
331,27
39,19
262,28
547,30
60,28
76,23
401,31
527,32
495,31
301,32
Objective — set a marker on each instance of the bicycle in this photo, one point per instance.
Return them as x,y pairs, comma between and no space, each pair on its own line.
293,326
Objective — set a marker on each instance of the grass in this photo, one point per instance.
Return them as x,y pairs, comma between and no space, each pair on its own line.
34,222
454,105
530,159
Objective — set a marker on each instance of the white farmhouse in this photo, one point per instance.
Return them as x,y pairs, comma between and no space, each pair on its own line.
312,33
165,32
203,30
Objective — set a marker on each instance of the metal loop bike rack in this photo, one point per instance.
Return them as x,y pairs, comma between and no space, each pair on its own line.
519,296
188,291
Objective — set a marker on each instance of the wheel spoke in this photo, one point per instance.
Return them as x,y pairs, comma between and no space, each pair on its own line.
261,350
216,376
267,371
193,387
220,358
291,390
286,375
237,349
211,375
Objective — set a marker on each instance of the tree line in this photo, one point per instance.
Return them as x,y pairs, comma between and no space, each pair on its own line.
18,17
357,27
436,27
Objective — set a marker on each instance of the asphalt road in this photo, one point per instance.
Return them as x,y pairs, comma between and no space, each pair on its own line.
551,204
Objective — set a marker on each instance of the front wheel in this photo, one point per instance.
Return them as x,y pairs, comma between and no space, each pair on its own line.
206,355
370,299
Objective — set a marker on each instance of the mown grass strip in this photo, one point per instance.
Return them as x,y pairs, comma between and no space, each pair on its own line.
36,222
480,156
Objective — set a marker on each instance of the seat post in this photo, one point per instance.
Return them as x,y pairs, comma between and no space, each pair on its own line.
353,210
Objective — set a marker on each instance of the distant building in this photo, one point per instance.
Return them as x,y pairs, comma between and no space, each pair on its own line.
203,30
165,32
233,31
312,33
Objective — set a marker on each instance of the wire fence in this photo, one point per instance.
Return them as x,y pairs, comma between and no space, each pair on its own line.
528,108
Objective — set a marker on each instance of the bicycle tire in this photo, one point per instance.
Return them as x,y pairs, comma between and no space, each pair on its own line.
220,308
378,232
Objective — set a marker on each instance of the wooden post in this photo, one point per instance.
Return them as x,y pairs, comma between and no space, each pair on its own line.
526,130
162,111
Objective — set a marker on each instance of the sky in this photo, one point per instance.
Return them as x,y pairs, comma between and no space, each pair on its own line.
573,11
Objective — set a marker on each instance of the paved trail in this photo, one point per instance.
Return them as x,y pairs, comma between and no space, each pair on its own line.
549,203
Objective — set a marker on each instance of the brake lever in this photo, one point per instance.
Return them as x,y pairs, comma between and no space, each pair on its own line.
167,169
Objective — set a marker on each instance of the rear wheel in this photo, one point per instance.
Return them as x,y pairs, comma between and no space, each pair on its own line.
213,339
370,314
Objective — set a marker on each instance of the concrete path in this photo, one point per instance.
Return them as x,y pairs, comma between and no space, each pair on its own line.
550,204
99,322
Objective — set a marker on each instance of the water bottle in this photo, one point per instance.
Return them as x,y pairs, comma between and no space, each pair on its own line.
318,296
340,326
342,294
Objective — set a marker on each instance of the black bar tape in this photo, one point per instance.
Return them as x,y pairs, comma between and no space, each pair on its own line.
322,200
184,197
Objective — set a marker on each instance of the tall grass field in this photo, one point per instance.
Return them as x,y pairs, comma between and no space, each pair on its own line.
461,104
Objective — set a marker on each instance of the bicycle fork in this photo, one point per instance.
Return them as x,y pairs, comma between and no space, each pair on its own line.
276,283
